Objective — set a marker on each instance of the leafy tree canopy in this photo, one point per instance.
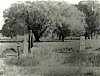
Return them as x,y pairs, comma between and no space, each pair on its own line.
42,15
91,11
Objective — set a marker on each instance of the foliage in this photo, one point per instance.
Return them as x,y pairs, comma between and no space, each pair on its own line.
42,15
75,20
91,11
14,25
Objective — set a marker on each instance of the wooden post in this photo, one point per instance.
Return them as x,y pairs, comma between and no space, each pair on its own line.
18,49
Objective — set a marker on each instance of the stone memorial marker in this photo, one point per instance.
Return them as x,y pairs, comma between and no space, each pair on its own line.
25,46
82,43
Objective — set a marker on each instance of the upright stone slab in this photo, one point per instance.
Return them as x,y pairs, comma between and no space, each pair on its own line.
25,46
82,43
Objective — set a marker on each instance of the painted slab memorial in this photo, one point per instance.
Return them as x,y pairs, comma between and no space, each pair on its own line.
82,43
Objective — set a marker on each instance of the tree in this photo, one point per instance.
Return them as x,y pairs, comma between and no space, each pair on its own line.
38,22
21,15
76,20
62,32
90,9
40,15
69,20
14,25
5,31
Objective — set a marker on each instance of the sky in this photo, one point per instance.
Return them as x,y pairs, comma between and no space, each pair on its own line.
6,4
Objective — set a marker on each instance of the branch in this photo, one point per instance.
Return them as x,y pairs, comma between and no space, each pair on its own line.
43,31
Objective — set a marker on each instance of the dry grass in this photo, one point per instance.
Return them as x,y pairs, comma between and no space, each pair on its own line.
51,63
23,61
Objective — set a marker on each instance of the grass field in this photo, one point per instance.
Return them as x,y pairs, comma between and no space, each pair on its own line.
46,60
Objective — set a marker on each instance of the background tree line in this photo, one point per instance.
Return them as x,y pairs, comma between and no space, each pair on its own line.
42,16
91,10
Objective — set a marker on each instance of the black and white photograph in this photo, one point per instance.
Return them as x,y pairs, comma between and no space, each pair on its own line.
50,38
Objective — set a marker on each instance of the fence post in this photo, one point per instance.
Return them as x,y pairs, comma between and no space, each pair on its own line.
18,49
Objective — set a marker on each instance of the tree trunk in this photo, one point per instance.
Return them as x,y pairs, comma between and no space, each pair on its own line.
11,37
97,36
29,50
59,37
91,35
38,34
37,39
63,38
